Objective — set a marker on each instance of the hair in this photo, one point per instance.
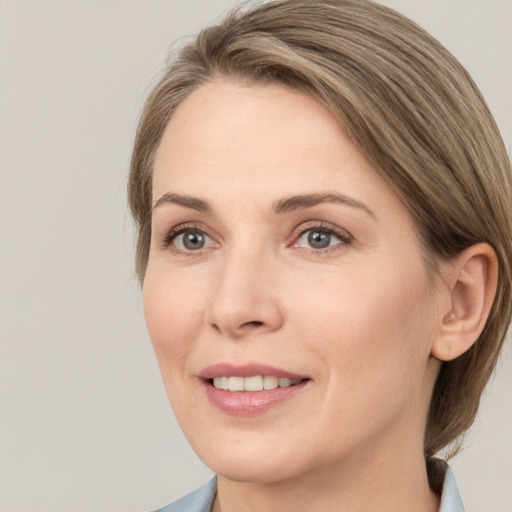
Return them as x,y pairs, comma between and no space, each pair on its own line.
408,105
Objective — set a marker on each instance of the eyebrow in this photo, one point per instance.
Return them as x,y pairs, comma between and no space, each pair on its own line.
188,201
283,205
308,200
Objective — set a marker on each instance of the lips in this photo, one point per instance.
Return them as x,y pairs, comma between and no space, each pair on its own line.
249,389
246,370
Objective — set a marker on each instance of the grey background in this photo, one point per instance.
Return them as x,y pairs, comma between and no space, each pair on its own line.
84,421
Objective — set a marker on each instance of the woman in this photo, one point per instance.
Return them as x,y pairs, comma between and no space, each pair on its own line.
324,217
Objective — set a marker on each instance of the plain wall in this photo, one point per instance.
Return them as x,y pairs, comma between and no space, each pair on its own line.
84,420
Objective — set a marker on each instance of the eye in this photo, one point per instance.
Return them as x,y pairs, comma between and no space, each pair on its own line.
191,240
317,239
187,239
320,238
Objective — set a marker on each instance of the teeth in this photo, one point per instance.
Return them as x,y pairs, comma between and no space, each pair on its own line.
255,383
284,382
270,382
236,383
222,383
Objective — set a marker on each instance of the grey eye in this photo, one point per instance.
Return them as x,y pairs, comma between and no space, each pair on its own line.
191,240
319,239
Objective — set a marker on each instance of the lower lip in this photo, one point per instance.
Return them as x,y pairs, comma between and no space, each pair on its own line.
248,403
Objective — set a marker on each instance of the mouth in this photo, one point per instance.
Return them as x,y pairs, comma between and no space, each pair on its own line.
253,384
250,389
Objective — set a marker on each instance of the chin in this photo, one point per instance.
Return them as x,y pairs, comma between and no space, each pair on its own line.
258,463
254,471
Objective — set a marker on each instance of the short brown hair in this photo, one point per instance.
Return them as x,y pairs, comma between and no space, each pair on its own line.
412,110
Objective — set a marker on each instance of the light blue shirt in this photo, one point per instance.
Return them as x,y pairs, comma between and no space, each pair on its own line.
202,499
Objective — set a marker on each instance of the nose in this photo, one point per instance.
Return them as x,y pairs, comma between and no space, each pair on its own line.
245,301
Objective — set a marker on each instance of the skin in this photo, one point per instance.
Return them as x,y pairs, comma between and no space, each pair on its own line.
358,318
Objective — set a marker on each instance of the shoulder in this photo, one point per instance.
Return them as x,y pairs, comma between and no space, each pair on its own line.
201,500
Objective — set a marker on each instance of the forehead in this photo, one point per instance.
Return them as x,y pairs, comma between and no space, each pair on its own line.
260,141
235,118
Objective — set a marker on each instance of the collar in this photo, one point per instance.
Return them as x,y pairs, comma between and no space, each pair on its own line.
450,498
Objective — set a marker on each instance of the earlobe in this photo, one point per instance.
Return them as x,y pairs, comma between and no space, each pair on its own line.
472,289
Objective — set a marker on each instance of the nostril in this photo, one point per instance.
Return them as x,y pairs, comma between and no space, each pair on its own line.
254,323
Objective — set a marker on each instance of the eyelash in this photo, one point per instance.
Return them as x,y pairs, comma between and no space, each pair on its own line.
171,235
343,235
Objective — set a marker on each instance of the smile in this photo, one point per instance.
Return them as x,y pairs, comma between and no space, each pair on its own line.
254,383
250,389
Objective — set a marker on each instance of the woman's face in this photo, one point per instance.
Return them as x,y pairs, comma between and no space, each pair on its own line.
280,257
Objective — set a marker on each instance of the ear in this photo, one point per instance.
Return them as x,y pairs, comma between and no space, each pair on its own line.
472,287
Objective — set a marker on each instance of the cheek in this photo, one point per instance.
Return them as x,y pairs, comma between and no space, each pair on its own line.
373,343
376,325
173,314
